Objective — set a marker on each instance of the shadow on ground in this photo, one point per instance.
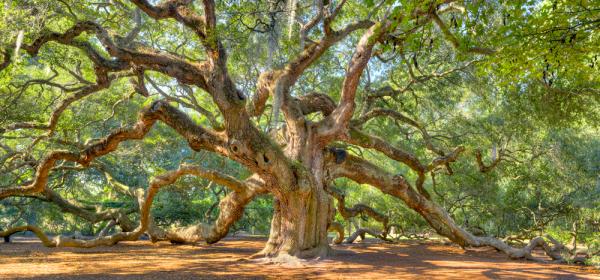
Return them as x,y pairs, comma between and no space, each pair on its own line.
28,259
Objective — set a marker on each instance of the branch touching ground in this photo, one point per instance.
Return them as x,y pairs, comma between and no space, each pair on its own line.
231,210
362,171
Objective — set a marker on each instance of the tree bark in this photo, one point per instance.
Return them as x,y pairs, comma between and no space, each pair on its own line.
299,226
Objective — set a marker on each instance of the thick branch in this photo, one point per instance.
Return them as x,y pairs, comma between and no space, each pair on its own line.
231,208
175,9
281,80
340,117
364,172
362,139
197,137
103,83
316,102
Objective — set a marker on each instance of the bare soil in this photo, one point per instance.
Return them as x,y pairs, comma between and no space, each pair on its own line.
27,259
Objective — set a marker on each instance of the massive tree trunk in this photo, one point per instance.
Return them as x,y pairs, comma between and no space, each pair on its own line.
299,225
303,212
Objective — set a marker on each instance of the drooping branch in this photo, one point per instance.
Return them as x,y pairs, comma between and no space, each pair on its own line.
117,215
36,230
362,171
145,201
363,231
231,206
231,210
555,251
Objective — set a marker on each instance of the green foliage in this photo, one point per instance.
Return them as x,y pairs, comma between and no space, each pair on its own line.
536,98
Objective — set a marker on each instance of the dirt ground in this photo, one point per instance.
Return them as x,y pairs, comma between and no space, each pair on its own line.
28,259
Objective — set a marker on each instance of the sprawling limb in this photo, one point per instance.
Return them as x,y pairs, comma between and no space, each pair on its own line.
362,231
231,207
104,81
36,230
145,202
364,140
194,134
364,172
231,210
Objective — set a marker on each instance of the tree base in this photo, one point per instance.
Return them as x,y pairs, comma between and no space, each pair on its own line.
287,257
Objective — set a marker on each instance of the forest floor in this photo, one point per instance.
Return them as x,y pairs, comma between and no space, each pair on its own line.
26,258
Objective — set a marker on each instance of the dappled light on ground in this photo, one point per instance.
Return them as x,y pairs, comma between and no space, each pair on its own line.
27,259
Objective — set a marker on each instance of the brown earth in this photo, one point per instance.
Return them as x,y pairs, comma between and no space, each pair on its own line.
28,259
